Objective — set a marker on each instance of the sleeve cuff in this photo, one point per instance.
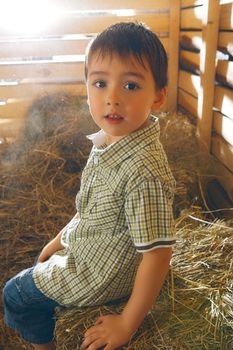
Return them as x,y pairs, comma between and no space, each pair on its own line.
158,243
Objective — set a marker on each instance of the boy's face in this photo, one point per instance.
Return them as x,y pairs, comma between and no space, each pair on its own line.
121,94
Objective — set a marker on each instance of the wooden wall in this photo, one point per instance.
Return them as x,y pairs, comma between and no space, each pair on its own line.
205,85
33,65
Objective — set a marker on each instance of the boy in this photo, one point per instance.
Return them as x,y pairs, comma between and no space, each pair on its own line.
120,241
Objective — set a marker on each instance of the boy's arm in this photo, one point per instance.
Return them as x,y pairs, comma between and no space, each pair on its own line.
53,246
113,331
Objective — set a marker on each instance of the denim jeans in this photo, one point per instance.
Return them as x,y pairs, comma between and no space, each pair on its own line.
28,310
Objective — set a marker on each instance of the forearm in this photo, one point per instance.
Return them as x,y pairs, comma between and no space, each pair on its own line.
149,280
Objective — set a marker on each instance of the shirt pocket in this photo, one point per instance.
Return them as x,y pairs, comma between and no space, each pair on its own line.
105,212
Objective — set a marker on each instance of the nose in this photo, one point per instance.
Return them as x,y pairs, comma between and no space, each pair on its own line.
113,97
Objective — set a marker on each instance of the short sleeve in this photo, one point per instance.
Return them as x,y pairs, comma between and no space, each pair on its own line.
149,215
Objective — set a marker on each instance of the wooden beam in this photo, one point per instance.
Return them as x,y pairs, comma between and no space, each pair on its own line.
173,64
207,69
68,24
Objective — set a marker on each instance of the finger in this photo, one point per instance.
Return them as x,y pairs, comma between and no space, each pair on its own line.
99,343
108,347
90,331
88,340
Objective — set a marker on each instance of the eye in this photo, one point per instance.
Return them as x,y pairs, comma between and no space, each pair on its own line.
131,86
99,84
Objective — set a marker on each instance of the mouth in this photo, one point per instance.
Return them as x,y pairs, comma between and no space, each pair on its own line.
113,117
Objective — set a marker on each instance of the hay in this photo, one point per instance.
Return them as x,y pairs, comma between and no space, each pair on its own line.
195,308
73,322
40,175
202,264
178,136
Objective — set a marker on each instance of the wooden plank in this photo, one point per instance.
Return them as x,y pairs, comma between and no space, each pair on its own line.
190,40
190,61
165,41
15,109
225,42
71,5
49,47
225,177
189,83
223,126
191,18
207,68
190,3
173,63
49,71
18,107
226,2
226,17
43,48
9,128
223,151
188,102
94,24
26,91
224,72
223,100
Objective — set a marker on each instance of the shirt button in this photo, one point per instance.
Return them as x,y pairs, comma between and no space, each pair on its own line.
96,160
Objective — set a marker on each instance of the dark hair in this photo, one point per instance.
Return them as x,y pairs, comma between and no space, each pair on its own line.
136,39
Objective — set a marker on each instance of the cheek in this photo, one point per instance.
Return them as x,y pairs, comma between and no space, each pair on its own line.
95,107
137,106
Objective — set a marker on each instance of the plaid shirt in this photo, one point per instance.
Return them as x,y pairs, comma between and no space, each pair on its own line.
125,206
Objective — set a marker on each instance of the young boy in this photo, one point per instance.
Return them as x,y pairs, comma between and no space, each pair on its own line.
120,241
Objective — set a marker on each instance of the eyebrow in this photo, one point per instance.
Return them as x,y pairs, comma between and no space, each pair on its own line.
126,74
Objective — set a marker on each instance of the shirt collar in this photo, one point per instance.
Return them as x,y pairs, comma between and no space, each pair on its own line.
98,139
125,147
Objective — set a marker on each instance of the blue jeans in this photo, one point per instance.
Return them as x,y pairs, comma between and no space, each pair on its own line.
28,310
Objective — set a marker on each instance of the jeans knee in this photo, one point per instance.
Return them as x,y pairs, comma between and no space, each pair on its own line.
9,291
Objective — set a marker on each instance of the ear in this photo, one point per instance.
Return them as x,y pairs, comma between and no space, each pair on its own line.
160,99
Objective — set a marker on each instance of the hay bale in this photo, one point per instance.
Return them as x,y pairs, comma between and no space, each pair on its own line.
195,308
72,323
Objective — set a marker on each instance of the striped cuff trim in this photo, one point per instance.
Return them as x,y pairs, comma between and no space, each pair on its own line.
155,244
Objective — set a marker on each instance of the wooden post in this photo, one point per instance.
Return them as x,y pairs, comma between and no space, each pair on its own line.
211,9
173,63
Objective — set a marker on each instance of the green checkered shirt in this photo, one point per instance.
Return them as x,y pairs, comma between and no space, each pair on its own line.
125,206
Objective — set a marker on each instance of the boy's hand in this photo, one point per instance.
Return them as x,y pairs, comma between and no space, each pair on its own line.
109,333
50,248
45,254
